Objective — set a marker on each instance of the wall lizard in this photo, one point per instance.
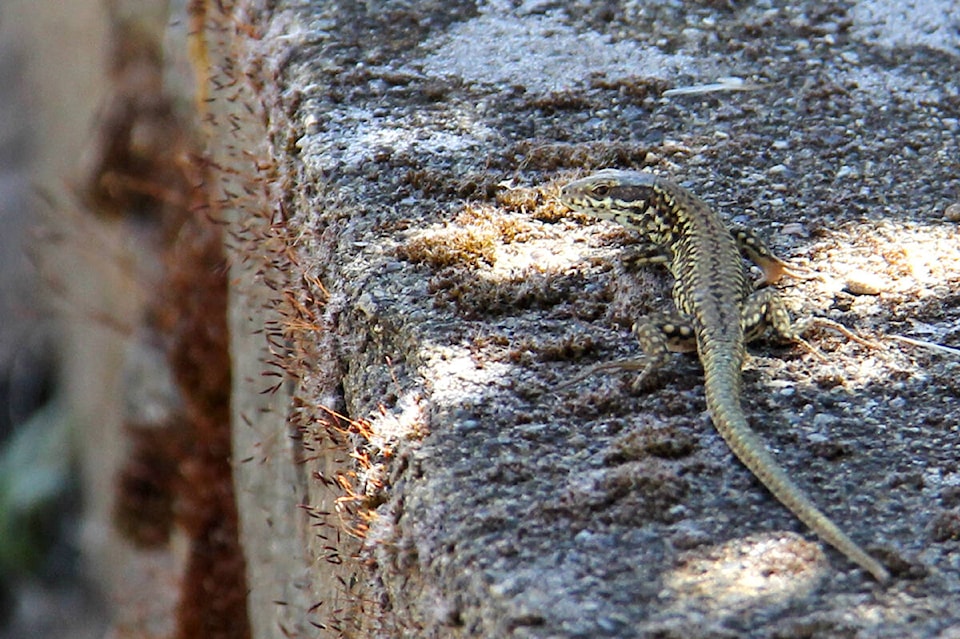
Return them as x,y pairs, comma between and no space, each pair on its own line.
718,312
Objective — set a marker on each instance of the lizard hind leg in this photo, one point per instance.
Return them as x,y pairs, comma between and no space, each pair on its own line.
764,310
659,335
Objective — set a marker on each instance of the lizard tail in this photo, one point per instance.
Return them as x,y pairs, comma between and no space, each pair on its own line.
723,402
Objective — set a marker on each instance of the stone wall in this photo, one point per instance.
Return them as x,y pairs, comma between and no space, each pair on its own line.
405,298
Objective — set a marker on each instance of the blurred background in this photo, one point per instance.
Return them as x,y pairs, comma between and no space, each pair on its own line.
117,515
52,60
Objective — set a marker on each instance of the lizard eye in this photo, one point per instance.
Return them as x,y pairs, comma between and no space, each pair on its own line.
601,190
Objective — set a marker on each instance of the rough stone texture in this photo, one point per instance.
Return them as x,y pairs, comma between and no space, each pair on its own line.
418,146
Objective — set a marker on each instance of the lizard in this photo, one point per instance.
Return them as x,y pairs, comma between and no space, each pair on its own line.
718,311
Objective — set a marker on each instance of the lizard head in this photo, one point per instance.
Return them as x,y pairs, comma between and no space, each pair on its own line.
610,194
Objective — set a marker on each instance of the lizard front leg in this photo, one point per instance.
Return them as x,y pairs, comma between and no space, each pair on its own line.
636,257
754,249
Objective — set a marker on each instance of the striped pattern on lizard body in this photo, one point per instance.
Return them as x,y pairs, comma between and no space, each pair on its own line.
719,306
